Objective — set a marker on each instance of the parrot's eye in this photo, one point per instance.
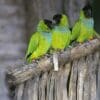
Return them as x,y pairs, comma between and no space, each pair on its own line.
48,23
57,18
88,11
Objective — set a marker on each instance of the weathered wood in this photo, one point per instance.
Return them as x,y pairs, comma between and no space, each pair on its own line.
19,92
75,80
81,75
20,74
31,90
42,86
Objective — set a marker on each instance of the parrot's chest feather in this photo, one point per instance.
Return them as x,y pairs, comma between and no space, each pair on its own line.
88,23
62,29
47,36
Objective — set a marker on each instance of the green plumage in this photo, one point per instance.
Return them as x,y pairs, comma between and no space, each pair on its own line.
60,37
40,42
83,30
86,30
76,30
43,46
34,41
61,34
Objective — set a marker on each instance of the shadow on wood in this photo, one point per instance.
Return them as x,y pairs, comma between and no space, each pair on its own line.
75,80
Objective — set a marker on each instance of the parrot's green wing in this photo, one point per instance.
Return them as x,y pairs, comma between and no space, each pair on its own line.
76,30
32,45
43,46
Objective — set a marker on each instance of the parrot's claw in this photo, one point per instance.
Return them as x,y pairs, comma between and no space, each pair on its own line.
37,61
80,43
33,61
91,38
55,62
74,44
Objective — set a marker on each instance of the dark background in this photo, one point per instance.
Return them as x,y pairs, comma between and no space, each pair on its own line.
96,10
18,20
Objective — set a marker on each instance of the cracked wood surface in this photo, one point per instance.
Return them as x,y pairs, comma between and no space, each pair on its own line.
20,73
75,80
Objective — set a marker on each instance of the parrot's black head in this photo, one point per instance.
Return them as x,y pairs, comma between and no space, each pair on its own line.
48,23
57,18
88,11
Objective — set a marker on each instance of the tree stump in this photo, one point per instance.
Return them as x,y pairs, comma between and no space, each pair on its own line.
75,80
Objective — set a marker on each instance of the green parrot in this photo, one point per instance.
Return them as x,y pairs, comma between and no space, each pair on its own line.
40,41
61,36
83,30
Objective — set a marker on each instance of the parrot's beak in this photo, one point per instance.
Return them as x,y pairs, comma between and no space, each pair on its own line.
54,23
51,26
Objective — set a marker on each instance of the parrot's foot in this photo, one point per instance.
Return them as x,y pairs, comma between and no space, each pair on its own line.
55,62
37,61
45,56
91,38
33,61
74,44
80,43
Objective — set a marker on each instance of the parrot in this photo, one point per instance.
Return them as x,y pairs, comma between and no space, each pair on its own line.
61,36
83,30
40,41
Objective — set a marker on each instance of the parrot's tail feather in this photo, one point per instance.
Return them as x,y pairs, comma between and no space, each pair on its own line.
27,56
55,61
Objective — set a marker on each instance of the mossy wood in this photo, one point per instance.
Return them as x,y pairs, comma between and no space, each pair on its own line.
75,80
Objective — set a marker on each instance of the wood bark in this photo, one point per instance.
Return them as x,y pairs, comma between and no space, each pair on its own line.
75,80
22,73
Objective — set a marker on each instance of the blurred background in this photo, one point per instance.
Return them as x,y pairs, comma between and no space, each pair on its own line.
96,11
18,20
